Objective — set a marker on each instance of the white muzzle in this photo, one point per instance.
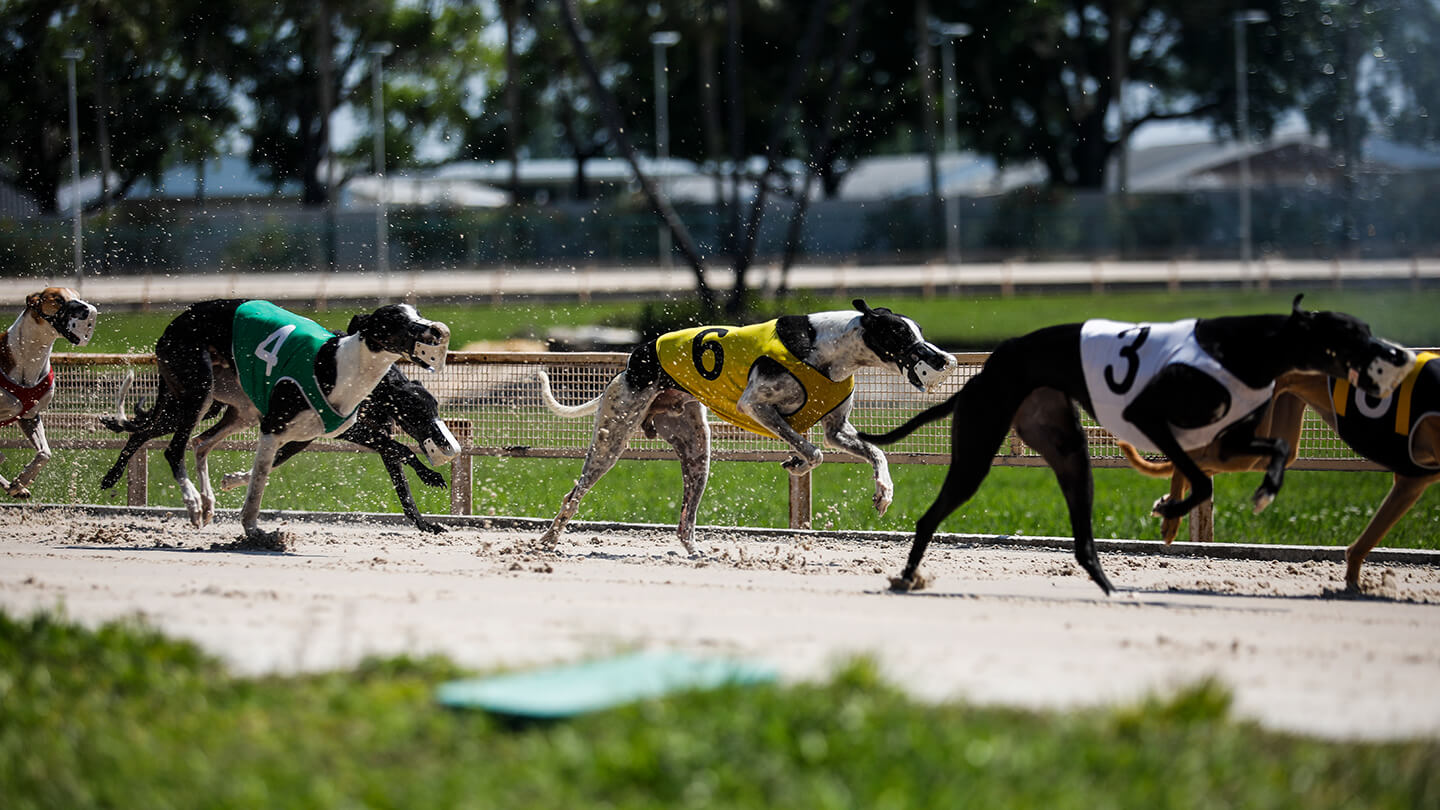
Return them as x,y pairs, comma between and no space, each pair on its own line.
443,451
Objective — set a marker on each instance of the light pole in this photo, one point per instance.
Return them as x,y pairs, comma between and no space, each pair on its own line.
71,57
378,52
947,34
660,40
1242,131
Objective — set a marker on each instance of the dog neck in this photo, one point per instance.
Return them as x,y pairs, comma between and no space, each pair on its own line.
357,370
839,349
25,349
1252,347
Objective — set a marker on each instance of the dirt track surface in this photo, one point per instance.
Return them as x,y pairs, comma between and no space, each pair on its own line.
1015,626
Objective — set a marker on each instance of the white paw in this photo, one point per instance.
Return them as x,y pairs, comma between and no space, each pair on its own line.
191,497
1159,502
234,480
1262,500
884,496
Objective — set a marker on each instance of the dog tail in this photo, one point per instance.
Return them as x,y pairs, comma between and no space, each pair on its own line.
1144,466
567,411
119,422
925,417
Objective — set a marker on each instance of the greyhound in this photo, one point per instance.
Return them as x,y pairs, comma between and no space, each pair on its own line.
396,400
775,379
293,377
1401,432
27,382
1168,387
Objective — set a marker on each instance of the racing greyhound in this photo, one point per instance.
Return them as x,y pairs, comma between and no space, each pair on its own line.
775,379
1165,387
1401,432
293,377
27,382
396,399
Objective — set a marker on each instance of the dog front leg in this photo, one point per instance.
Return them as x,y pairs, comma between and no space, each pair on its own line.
1402,496
840,434
34,431
807,456
259,476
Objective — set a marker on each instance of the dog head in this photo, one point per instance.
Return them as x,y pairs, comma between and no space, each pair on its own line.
62,308
399,329
417,413
896,339
1341,345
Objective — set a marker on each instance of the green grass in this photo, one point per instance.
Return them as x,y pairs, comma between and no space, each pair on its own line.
122,717
966,321
1315,508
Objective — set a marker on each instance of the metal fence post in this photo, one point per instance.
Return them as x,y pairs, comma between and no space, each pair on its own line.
800,501
462,497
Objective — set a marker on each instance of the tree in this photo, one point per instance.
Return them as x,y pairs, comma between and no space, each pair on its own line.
152,64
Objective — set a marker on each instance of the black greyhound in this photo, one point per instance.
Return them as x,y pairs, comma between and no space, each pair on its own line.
293,377
396,400
1193,383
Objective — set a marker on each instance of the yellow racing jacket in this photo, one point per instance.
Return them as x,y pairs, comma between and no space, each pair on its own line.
713,364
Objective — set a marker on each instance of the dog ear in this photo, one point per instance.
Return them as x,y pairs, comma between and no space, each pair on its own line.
356,324
862,307
32,301
1295,305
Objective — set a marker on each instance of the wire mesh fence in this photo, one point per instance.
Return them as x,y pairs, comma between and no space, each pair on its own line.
492,402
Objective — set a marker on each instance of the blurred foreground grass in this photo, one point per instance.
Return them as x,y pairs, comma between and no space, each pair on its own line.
122,717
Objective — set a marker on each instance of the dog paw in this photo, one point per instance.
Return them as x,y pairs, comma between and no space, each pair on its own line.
429,477
1263,498
19,492
430,528
234,480
904,584
883,499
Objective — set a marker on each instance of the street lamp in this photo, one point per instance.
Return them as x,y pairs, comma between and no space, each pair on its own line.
1242,130
378,52
660,40
947,33
71,57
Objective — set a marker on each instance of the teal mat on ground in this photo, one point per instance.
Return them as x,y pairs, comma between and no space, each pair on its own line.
573,689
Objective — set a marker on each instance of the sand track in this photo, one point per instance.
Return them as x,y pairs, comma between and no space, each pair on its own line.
1011,625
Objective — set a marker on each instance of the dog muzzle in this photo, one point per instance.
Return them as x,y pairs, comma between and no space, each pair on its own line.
75,322
443,449
925,366
1385,373
430,355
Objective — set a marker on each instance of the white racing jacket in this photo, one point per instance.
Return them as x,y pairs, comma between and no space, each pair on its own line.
1121,359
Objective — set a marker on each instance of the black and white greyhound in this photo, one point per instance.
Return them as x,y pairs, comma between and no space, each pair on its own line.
1165,387
396,400
27,382
215,350
777,378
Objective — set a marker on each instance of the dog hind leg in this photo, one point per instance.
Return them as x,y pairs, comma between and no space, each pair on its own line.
620,412
1048,422
687,432
983,411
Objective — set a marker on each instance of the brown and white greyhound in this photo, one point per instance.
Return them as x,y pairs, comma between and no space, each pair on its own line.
1405,439
776,378
1174,387
27,382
